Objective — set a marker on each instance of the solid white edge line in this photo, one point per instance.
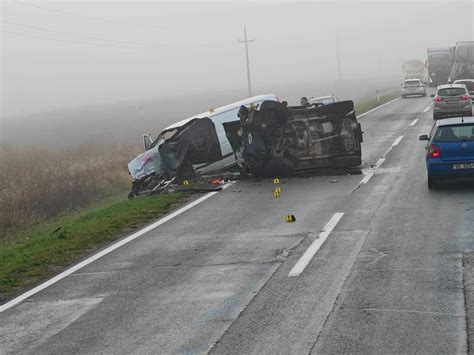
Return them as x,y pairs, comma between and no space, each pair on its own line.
427,109
397,141
376,108
414,122
314,247
107,250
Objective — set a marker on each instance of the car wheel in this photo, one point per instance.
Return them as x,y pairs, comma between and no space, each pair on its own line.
431,182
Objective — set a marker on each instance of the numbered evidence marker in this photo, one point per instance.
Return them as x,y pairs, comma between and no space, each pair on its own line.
185,182
276,193
278,189
276,181
290,218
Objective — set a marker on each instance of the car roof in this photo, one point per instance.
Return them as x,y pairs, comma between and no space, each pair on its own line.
447,86
213,112
455,121
461,80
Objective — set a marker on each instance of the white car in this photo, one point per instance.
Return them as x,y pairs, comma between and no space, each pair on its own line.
413,87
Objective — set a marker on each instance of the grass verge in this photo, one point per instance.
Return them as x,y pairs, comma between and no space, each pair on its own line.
31,256
367,105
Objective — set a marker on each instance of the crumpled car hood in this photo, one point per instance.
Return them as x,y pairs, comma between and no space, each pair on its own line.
147,163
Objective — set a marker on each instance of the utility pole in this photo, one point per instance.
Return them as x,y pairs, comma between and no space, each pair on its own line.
245,41
338,57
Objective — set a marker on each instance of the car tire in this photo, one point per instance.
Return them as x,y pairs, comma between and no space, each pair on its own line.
431,182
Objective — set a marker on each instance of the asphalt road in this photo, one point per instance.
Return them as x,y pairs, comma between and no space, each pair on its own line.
395,274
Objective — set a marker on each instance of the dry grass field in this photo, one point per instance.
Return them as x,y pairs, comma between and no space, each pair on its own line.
38,183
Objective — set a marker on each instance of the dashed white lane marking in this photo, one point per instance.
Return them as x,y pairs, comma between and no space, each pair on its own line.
397,141
366,178
314,247
427,109
385,104
106,251
414,122
377,165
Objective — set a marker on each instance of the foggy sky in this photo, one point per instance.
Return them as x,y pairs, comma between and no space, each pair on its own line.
167,49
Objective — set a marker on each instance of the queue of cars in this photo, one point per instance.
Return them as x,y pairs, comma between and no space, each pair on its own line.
450,144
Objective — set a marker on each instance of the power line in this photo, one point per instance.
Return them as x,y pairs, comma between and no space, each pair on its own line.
95,18
65,41
71,34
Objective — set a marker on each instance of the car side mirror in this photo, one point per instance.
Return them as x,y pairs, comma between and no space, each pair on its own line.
147,141
432,95
423,137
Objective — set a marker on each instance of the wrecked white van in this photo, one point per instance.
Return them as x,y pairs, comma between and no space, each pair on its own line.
196,145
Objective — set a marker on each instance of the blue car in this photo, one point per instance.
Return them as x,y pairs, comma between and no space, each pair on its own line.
450,149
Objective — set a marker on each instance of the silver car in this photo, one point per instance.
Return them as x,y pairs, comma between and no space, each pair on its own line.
324,100
451,100
413,87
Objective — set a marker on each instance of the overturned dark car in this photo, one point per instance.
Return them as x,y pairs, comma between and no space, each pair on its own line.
275,140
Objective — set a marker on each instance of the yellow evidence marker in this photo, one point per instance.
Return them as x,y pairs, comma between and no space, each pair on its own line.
290,218
276,193
276,181
185,182
278,189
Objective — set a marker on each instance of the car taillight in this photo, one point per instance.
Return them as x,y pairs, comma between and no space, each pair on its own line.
433,151
437,99
465,97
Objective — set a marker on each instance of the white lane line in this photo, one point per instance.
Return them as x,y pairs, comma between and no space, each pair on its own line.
397,141
385,104
414,122
366,178
379,162
314,247
427,109
106,251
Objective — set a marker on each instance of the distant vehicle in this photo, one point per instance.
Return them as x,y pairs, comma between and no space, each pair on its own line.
450,149
413,87
324,100
276,140
415,69
469,84
451,100
463,65
196,145
439,63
